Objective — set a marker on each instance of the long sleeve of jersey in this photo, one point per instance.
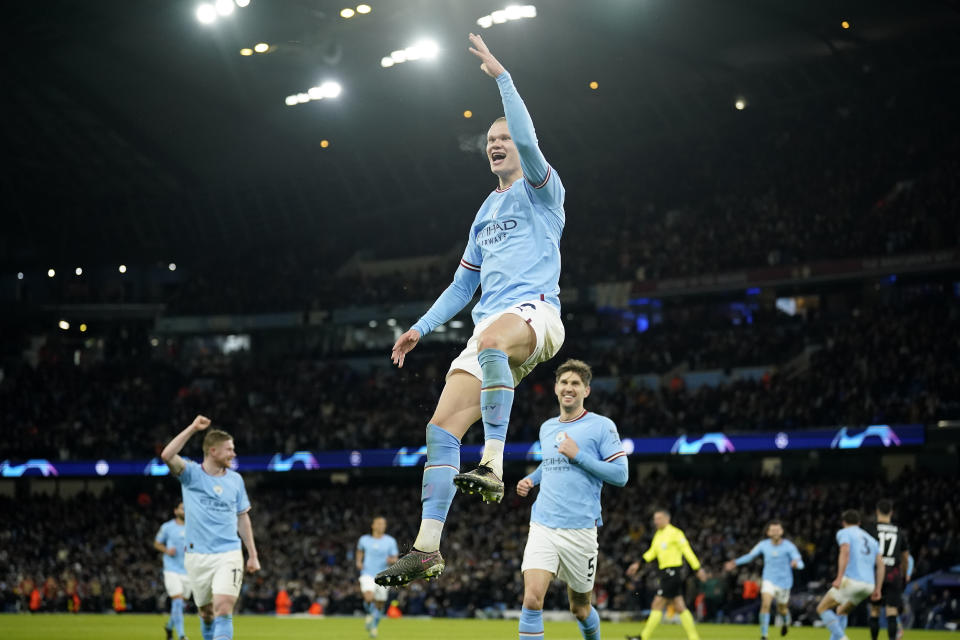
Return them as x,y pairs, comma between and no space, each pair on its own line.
536,476
454,298
532,161
650,554
748,557
688,553
795,555
615,472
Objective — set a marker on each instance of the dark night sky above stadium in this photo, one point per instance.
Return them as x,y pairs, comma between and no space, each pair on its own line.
113,100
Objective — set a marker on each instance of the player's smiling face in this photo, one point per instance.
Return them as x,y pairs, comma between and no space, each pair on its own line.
775,532
571,392
223,454
501,152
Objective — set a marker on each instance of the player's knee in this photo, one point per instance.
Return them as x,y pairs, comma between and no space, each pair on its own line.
206,614
532,601
580,610
679,605
490,340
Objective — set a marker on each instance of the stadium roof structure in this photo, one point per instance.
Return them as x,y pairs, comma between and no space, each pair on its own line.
133,123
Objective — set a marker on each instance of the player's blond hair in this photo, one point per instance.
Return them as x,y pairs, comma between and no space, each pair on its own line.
215,437
578,367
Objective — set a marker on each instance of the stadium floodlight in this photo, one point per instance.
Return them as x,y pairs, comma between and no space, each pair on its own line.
512,12
485,21
740,104
172,266
63,324
261,47
224,7
19,275
51,273
347,13
246,51
330,89
242,3
315,93
427,49
78,271
83,328
206,13
386,62
363,8
291,101
303,98
398,56
122,268
499,17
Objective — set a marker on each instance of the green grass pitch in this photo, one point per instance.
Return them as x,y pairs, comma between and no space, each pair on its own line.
114,627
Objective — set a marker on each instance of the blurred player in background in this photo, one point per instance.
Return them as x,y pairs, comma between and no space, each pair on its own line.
581,451
669,547
859,575
896,553
513,255
375,551
216,511
171,541
780,558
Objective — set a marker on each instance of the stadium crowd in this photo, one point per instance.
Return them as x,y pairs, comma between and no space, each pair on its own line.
306,537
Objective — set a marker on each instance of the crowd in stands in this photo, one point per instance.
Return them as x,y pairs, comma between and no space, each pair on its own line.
306,535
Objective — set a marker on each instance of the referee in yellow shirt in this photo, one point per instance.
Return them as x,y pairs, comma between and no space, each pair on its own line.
669,546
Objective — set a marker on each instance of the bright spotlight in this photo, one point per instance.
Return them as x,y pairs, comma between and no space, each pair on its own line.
206,13
303,98
468,114
83,328
594,85
427,49
513,12
845,24
78,271
291,100
19,275
347,13
740,104
261,47
242,3
528,11
224,7
246,51
386,62
330,89
398,56
63,324
172,266
499,17
324,144
51,273
363,8
122,268
315,93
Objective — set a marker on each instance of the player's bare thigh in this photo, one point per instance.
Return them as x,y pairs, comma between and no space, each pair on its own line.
511,334
766,599
459,404
535,585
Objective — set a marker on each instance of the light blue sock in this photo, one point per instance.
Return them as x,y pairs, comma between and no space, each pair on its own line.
443,462
764,624
787,619
206,629
832,622
368,607
531,624
377,615
176,617
223,628
843,622
496,393
590,628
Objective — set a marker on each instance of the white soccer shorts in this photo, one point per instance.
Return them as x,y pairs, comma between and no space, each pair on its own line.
176,584
570,554
852,591
780,595
367,584
547,325
214,573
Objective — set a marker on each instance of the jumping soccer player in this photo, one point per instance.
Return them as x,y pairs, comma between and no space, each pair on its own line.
171,542
217,509
896,558
669,547
860,571
375,551
780,558
581,451
513,254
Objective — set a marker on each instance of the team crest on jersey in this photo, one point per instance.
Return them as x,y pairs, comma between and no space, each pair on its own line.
217,489
560,437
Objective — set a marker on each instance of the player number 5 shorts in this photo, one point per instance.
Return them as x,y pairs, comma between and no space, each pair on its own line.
570,554
852,591
780,595
547,325
214,573
367,584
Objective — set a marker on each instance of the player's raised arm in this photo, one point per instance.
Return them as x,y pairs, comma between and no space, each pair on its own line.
171,452
519,123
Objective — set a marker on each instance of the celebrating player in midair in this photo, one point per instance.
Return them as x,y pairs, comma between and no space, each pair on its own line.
513,255
581,451
780,558
860,571
374,552
171,541
217,510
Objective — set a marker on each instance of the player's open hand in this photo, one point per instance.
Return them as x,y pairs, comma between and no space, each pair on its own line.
172,552
200,423
730,565
633,568
253,564
569,448
403,346
524,487
490,65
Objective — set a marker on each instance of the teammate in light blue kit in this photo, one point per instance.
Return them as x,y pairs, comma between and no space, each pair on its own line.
581,451
217,510
780,558
513,255
860,572
171,541
375,551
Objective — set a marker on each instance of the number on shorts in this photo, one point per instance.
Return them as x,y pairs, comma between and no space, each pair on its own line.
237,576
591,567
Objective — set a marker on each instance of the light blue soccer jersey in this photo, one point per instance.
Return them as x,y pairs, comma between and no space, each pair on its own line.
864,549
173,534
375,553
569,495
513,247
212,504
776,561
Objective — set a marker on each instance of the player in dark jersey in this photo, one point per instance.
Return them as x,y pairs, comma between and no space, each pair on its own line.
895,552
